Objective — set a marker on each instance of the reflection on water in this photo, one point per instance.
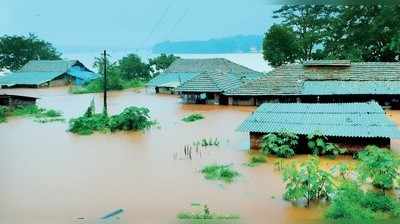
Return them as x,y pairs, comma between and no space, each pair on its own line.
48,175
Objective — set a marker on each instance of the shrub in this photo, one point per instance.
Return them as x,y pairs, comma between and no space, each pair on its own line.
131,118
41,115
380,165
281,144
3,112
220,172
307,182
318,146
351,204
345,205
256,160
193,117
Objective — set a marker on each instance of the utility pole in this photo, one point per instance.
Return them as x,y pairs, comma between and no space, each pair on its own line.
105,84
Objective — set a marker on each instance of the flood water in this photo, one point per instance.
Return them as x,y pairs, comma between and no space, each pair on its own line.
48,175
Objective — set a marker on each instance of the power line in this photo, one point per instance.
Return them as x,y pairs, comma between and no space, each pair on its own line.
177,23
160,20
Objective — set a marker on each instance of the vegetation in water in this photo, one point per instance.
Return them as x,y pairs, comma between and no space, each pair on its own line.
307,182
318,146
39,114
220,172
206,216
279,164
131,118
380,165
193,117
352,204
206,142
256,160
280,144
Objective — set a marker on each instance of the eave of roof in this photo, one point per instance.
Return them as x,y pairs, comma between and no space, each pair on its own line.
342,120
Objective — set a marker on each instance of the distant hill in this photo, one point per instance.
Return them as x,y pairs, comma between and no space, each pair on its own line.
235,44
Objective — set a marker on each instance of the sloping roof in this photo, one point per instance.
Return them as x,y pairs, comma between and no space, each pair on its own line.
208,65
164,78
28,78
36,72
350,87
289,79
327,63
211,82
337,119
48,66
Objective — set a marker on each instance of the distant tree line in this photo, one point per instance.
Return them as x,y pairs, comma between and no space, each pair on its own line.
16,51
355,32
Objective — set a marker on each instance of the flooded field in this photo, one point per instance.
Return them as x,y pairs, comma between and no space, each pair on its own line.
48,175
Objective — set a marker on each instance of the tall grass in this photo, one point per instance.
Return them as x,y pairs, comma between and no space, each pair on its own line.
220,172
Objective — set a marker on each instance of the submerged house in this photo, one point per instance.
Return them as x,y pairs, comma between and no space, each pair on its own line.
16,100
323,81
183,70
46,73
353,125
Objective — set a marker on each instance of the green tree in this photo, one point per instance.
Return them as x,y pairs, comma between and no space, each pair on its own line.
307,182
280,45
309,23
162,62
380,165
132,67
364,33
16,51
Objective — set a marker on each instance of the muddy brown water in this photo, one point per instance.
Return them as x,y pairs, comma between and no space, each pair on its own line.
48,175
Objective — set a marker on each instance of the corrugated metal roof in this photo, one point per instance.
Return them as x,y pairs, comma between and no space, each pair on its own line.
341,119
208,65
350,87
48,66
28,78
164,78
289,79
39,72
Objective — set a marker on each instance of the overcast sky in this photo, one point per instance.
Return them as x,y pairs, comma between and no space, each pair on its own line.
132,23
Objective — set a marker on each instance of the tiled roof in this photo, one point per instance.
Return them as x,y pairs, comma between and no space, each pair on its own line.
165,77
208,65
340,119
327,63
289,79
211,82
350,87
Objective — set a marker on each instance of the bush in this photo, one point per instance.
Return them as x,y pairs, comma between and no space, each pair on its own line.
307,182
380,165
256,160
131,118
220,172
346,207
41,115
193,117
3,113
318,146
281,144
352,204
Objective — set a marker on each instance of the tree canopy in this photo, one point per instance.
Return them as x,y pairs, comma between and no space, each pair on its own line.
132,67
162,62
355,32
16,51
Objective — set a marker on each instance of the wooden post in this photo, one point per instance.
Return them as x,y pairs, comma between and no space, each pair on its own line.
105,84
